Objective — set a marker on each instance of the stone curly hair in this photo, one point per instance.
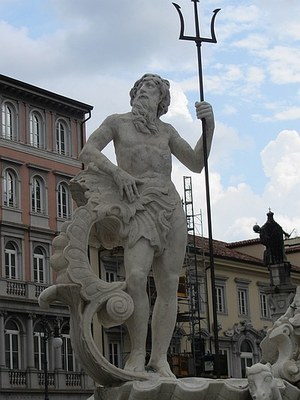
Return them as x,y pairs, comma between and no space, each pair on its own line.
164,87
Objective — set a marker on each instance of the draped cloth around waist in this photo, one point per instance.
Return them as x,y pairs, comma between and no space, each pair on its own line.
123,223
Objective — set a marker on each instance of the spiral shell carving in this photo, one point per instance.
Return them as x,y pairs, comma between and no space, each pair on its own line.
117,310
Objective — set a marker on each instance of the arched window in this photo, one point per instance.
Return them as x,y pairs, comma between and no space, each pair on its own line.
11,260
9,130
36,130
68,356
63,201
39,265
10,188
38,195
12,345
246,356
62,138
39,346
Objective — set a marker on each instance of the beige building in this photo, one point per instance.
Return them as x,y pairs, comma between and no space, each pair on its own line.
243,312
41,136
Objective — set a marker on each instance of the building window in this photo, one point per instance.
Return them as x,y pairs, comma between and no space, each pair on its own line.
68,356
246,357
36,130
10,188
9,121
11,261
175,344
243,301
12,345
39,347
224,362
182,289
63,201
39,265
220,299
264,306
110,276
110,269
62,138
38,196
115,353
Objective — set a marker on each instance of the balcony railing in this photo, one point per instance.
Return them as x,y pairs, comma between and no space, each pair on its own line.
17,378
73,379
15,288
34,379
20,289
51,379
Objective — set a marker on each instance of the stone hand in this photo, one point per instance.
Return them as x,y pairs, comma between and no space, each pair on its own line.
204,111
127,184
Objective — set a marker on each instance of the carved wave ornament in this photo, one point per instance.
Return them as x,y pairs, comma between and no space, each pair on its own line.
87,295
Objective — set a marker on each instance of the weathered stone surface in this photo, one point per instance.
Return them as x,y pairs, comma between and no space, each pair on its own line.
133,204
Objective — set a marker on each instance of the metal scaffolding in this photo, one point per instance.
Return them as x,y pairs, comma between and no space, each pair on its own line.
195,300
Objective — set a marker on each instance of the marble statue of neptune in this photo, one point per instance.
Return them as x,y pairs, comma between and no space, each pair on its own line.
153,229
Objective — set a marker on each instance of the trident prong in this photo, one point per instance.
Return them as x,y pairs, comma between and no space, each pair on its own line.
198,40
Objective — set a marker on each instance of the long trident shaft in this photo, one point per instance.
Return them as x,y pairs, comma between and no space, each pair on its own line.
198,40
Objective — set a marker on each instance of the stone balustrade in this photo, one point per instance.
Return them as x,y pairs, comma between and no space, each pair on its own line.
34,379
20,289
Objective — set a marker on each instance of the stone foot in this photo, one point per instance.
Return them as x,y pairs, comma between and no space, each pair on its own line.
162,368
135,362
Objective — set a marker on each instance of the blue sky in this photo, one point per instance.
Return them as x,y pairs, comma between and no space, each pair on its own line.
93,51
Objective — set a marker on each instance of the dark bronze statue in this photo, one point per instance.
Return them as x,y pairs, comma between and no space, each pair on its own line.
272,236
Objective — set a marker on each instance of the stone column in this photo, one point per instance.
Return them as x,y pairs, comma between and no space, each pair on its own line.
58,358
30,342
2,340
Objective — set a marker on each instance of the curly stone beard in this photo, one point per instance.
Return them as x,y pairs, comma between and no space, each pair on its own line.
142,118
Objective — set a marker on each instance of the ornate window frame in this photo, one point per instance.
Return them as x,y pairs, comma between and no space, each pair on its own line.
37,136
64,201
11,196
9,121
38,195
62,137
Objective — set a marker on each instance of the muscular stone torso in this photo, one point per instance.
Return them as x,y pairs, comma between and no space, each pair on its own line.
142,155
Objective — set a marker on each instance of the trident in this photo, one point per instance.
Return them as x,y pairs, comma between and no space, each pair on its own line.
198,40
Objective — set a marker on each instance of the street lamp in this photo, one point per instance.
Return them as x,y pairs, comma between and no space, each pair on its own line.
57,342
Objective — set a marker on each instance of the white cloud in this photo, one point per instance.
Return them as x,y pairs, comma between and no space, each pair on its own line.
281,111
281,162
284,64
226,142
229,109
255,75
237,19
252,42
236,208
288,114
179,103
239,80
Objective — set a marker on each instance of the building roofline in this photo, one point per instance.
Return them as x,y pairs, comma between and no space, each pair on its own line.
247,242
227,251
46,94
222,250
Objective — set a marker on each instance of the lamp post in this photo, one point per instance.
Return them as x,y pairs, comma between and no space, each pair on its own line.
56,342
